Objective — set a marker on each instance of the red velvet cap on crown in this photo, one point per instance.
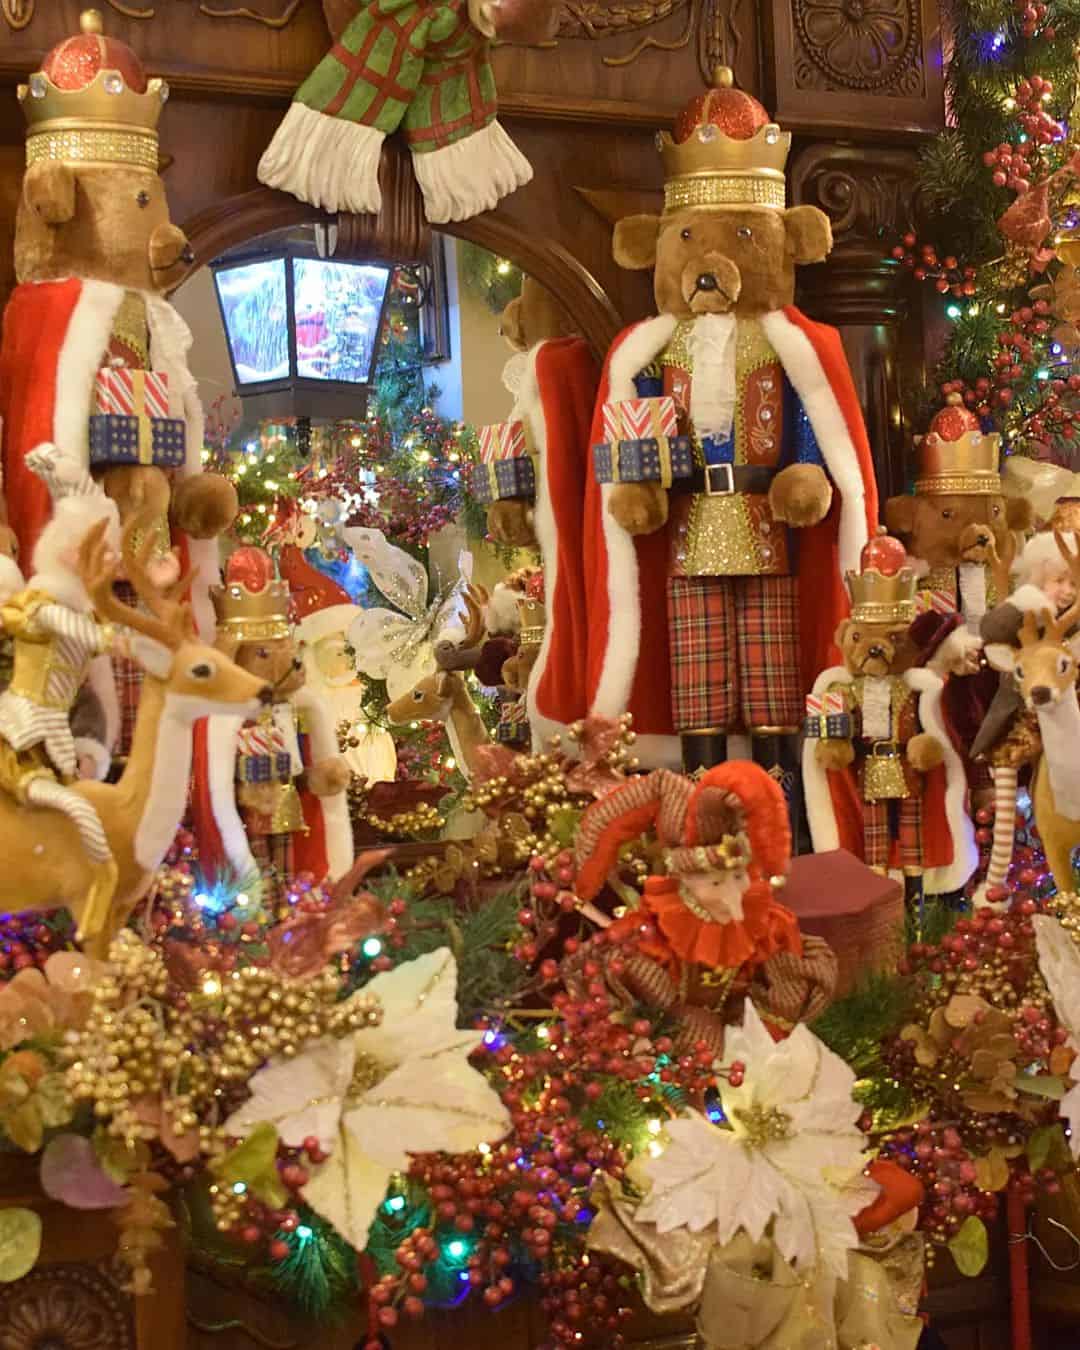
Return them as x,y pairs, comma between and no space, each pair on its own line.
253,603
883,589
955,457
76,62
736,113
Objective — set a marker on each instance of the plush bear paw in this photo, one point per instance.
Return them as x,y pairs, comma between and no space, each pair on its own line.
328,777
924,752
204,505
511,522
640,508
258,797
800,495
832,753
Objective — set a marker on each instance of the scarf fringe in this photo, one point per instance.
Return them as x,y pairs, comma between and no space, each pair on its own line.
325,161
471,175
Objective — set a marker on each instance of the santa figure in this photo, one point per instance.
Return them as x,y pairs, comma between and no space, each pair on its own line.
707,614
269,793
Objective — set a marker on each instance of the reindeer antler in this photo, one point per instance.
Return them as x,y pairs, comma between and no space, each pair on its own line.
1033,628
169,620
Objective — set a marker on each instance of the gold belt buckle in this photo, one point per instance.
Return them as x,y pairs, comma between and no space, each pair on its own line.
884,750
727,482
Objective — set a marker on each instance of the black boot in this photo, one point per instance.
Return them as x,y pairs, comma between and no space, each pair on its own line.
703,749
778,753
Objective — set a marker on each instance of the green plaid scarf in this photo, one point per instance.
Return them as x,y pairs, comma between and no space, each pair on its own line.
420,66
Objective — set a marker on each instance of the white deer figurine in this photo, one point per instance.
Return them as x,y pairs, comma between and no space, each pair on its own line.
1044,667
44,866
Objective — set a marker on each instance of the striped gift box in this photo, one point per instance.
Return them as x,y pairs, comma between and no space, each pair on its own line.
131,393
502,440
936,602
825,716
640,419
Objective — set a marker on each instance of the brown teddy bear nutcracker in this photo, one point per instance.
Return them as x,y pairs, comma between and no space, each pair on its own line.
94,358
880,774
959,528
710,931
537,498
270,792
730,461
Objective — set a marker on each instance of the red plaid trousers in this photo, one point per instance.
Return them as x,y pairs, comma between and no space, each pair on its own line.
886,822
735,652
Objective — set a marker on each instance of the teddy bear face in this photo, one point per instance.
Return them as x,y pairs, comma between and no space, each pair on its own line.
872,649
718,260
275,660
949,529
100,223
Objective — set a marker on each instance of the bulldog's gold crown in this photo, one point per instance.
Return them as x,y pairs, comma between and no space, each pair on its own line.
725,151
967,466
91,103
877,597
253,616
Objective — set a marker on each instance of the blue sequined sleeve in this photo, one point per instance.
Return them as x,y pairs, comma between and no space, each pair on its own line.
803,440
649,382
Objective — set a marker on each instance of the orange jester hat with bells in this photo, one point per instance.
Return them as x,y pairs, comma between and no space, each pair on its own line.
710,932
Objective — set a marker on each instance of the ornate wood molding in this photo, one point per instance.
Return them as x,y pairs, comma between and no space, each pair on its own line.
874,65
65,1307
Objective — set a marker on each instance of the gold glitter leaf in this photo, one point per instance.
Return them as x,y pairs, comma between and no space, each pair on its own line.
970,1247
254,1164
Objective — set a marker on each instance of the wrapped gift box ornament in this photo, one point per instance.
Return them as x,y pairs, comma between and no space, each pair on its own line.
641,443
858,912
506,467
132,423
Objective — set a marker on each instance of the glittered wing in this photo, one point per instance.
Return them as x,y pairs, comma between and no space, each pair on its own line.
382,641
1059,962
398,575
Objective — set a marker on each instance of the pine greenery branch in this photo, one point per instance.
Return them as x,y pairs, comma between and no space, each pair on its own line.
854,1027
319,1274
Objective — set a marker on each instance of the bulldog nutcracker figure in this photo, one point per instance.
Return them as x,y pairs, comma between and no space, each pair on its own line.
710,932
880,774
730,457
269,793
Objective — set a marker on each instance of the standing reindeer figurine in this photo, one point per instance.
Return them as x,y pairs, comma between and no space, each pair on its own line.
1045,670
45,864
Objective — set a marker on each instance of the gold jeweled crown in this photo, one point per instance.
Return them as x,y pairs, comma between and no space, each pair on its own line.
724,152
533,617
956,457
258,612
91,103
883,590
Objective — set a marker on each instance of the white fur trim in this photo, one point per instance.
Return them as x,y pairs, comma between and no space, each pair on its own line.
804,370
1029,599
501,613
222,733
324,623
322,738
820,816
86,747
953,876
640,346
531,411
12,580
327,161
102,681
80,358
959,643
471,175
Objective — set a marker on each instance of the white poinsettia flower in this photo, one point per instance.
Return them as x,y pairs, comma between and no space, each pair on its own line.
372,1098
1059,964
793,1156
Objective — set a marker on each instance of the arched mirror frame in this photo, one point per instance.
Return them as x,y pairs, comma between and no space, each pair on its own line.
239,220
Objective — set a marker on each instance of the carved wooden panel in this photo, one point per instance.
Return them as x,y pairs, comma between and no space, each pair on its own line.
874,65
65,1307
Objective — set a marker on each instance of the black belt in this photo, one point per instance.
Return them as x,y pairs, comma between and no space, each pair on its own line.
881,749
722,480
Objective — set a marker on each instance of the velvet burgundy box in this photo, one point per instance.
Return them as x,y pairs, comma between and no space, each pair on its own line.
858,912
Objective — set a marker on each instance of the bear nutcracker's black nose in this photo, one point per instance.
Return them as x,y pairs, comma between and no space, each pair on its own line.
877,651
1040,695
188,255
982,540
707,282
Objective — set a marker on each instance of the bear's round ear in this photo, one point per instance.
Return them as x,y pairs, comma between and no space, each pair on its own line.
900,515
634,245
1019,513
511,329
809,234
841,632
49,191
